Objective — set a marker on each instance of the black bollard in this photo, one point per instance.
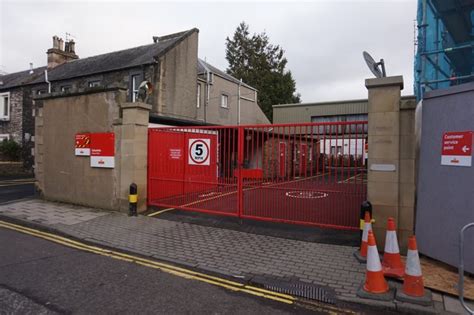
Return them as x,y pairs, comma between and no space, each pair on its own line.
132,200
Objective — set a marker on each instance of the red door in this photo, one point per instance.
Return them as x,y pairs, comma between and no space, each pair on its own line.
282,159
303,153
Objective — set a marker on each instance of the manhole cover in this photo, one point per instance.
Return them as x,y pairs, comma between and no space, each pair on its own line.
306,194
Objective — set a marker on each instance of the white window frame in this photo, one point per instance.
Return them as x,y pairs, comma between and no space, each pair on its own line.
94,83
5,116
4,136
198,100
224,100
135,89
66,88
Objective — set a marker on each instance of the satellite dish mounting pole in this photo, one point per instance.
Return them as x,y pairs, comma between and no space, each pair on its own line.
382,65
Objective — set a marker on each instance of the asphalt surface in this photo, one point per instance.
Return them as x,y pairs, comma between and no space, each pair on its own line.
37,276
15,188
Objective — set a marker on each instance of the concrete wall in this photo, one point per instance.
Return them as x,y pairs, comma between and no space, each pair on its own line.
445,197
62,176
391,134
250,112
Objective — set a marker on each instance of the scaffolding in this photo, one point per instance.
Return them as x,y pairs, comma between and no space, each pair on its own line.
444,44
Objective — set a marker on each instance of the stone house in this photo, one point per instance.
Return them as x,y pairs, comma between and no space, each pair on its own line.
186,90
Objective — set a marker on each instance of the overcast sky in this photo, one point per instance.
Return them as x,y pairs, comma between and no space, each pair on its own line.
323,40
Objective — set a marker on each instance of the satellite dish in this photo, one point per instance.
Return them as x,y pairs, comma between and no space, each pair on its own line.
144,89
374,66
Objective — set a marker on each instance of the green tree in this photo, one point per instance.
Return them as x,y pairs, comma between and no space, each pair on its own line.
260,64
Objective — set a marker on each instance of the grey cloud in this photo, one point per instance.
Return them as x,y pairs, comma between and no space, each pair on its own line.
323,40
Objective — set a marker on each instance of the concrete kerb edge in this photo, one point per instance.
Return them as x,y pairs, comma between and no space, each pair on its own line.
376,305
124,250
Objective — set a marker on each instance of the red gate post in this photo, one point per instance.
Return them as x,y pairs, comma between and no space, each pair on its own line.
240,163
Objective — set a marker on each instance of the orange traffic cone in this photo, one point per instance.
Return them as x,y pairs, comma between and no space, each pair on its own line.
413,284
361,254
374,280
392,262
413,290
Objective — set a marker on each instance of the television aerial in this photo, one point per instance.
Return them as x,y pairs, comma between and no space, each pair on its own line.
144,90
374,66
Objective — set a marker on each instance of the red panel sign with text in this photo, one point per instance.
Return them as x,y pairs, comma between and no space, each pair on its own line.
457,148
103,150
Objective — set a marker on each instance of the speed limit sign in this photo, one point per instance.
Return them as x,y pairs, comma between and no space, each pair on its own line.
199,151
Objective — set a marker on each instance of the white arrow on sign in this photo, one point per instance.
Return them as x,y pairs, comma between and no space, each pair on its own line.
465,149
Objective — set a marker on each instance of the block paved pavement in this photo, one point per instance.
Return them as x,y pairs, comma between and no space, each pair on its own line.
219,250
214,249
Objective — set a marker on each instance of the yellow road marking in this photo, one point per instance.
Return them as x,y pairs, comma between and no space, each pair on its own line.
173,270
160,212
227,194
178,271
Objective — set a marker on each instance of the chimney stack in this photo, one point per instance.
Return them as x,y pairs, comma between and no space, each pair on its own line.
58,56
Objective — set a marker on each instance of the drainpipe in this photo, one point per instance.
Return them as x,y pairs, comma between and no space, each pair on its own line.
238,103
46,80
208,77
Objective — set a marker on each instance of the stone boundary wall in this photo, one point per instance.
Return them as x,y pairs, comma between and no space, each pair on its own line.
62,176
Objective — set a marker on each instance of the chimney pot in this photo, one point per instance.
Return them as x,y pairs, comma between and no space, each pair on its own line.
55,42
61,44
71,47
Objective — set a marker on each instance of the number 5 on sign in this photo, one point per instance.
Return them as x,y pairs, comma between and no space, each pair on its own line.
199,151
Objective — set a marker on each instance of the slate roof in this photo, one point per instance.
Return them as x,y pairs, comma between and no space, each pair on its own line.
20,78
202,65
117,60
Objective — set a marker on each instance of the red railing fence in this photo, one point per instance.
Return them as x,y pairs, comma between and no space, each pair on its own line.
313,173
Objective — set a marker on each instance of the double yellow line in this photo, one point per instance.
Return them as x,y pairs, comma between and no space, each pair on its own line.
177,271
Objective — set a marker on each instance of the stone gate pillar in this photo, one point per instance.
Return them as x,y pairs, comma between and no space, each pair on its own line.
386,192
133,129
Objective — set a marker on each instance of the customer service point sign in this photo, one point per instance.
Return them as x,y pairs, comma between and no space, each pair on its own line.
457,148
103,150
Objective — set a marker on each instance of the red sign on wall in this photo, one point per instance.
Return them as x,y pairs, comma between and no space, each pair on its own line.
83,141
103,150
457,148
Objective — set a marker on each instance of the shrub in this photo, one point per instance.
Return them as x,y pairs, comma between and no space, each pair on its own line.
10,149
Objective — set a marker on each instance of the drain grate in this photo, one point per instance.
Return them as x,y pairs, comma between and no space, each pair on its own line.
298,288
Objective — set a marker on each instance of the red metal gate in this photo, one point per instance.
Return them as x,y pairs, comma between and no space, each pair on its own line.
310,173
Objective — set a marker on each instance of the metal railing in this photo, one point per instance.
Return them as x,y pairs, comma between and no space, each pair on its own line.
461,267
309,173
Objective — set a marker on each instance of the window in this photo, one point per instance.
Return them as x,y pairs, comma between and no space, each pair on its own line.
5,106
94,83
39,92
135,85
224,101
198,101
4,136
66,88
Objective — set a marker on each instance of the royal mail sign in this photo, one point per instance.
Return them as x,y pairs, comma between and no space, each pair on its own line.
83,141
103,150
457,148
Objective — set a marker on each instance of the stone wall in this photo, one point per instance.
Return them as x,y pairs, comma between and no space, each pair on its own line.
62,176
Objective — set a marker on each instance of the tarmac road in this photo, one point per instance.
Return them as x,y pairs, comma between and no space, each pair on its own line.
41,277
15,188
